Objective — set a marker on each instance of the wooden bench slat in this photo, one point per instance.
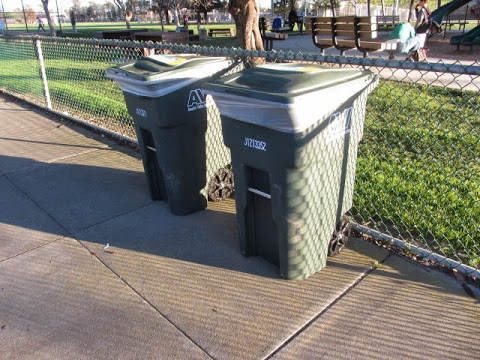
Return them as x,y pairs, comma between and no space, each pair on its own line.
379,45
323,32
345,33
324,41
318,19
350,43
348,32
368,34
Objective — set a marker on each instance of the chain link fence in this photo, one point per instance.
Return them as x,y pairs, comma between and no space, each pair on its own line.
418,173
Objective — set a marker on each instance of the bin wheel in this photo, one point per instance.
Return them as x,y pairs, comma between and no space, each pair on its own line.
221,186
339,237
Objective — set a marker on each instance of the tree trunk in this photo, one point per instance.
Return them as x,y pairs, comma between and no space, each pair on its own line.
160,14
332,4
128,17
167,16
410,10
177,19
49,19
246,15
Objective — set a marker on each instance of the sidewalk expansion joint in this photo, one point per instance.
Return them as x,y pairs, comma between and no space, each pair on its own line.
35,248
53,161
111,218
146,301
38,206
326,308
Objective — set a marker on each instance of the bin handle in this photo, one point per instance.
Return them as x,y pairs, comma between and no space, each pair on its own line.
261,193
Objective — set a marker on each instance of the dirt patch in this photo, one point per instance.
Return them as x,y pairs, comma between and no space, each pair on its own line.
440,48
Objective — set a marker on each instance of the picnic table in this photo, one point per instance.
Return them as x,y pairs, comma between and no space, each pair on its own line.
124,34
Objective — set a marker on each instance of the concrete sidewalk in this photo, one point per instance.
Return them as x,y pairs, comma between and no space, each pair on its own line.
171,287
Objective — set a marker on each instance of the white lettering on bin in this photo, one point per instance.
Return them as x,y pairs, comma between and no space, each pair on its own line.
339,124
255,144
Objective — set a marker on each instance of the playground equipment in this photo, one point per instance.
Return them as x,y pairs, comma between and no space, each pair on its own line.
466,39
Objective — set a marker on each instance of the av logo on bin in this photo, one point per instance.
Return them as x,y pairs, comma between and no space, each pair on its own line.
198,100
339,124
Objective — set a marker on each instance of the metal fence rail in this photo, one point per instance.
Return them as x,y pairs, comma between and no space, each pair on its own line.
418,172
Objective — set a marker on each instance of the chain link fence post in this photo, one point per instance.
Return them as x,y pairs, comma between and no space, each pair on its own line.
43,74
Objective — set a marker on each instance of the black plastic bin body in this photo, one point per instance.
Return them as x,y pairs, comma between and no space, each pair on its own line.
293,131
177,126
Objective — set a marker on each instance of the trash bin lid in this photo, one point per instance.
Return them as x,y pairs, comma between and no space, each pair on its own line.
159,75
286,97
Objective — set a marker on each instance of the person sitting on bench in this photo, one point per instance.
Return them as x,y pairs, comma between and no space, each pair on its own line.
407,39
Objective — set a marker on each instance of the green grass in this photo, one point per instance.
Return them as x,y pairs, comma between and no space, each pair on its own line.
418,174
418,166
88,30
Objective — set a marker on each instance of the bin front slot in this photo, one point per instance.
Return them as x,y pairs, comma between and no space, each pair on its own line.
262,231
261,193
152,167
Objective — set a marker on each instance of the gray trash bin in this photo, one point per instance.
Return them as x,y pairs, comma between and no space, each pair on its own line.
178,127
293,131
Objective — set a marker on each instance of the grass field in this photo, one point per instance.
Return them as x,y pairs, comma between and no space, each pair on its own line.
86,30
418,174
89,29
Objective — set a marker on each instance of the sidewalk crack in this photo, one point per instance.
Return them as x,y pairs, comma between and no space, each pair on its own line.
327,308
164,316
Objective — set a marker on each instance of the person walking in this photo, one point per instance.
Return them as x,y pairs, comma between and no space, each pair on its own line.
40,24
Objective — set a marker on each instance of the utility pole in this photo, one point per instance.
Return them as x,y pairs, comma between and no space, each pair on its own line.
58,17
24,16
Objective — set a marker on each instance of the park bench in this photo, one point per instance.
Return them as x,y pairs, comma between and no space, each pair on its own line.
166,37
269,37
163,37
126,34
222,31
191,36
461,24
347,33
388,21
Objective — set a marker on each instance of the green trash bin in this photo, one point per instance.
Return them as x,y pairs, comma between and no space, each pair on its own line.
293,131
178,127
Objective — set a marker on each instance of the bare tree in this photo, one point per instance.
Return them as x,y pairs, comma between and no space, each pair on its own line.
203,7
246,14
161,6
126,9
30,14
47,15
175,6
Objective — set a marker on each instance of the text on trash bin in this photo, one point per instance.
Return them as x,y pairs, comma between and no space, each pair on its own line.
255,144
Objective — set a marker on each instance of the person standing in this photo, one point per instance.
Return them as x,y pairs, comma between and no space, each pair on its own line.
73,21
40,24
422,25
